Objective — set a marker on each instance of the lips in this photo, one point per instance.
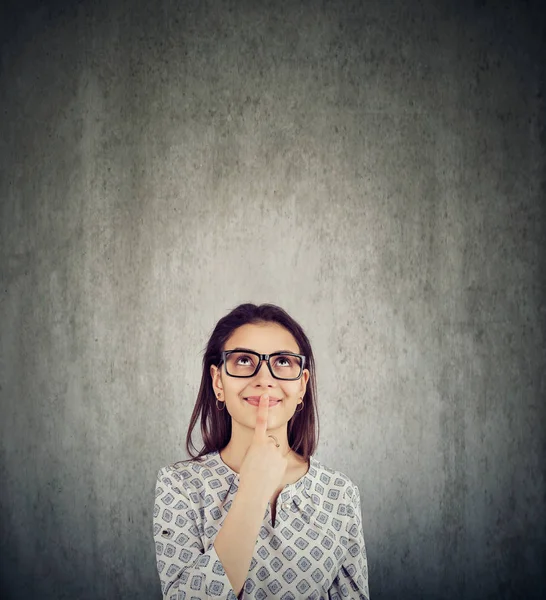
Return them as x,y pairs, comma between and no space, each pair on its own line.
255,400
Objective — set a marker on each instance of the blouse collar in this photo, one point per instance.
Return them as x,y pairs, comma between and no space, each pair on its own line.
302,485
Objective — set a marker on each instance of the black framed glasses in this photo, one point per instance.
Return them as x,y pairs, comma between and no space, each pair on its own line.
246,363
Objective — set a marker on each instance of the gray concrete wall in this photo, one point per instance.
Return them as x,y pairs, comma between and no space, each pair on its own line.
377,169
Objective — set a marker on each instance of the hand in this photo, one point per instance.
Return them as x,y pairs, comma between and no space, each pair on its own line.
263,466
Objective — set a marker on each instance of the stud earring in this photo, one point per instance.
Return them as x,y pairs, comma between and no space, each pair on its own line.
220,409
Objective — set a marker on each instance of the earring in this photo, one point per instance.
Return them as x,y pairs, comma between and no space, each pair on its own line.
220,409
301,398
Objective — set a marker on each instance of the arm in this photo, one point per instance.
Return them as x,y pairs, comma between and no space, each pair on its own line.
352,578
237,537
185,569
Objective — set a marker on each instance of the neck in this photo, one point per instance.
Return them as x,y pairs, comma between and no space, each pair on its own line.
234,458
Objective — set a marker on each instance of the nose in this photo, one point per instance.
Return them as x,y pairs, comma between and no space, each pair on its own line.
263,368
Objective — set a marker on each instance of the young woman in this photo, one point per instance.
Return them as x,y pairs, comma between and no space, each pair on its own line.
254,514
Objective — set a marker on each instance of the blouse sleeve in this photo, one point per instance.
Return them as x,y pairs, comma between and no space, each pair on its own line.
352,578
185,570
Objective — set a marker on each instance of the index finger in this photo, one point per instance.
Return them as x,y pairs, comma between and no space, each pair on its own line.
261,416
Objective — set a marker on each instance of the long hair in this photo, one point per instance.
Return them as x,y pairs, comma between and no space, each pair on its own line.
215,424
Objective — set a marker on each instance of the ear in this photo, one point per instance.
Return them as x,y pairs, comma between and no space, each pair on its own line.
305,378
216,379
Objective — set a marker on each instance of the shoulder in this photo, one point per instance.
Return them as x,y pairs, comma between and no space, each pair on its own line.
183,474
334,483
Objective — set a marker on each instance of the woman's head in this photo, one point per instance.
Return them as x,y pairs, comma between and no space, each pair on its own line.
265,329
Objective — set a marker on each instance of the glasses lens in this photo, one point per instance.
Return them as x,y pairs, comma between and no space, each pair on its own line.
243,364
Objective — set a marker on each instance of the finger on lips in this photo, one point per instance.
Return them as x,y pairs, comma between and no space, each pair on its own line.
263,407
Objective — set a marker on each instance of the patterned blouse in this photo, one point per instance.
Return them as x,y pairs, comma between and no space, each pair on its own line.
314,551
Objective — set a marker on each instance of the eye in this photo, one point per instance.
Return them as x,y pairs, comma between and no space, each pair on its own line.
240,358
287,359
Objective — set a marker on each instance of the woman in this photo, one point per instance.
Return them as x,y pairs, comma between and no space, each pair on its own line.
254,514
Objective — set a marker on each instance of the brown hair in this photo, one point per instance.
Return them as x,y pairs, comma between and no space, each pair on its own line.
215,424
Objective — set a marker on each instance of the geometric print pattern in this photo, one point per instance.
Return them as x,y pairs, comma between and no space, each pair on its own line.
315,549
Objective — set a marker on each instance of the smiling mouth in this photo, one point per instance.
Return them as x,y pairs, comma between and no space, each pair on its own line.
256,401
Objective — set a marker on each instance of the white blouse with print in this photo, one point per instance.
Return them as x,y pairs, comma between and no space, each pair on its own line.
314,551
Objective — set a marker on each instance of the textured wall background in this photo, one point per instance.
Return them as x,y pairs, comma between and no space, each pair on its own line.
377,169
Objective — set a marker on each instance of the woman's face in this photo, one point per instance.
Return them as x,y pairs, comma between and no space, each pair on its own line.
264,338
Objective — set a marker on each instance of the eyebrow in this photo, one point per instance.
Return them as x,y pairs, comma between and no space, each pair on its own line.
250,350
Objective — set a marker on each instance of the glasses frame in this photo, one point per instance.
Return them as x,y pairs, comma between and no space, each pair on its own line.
225,353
